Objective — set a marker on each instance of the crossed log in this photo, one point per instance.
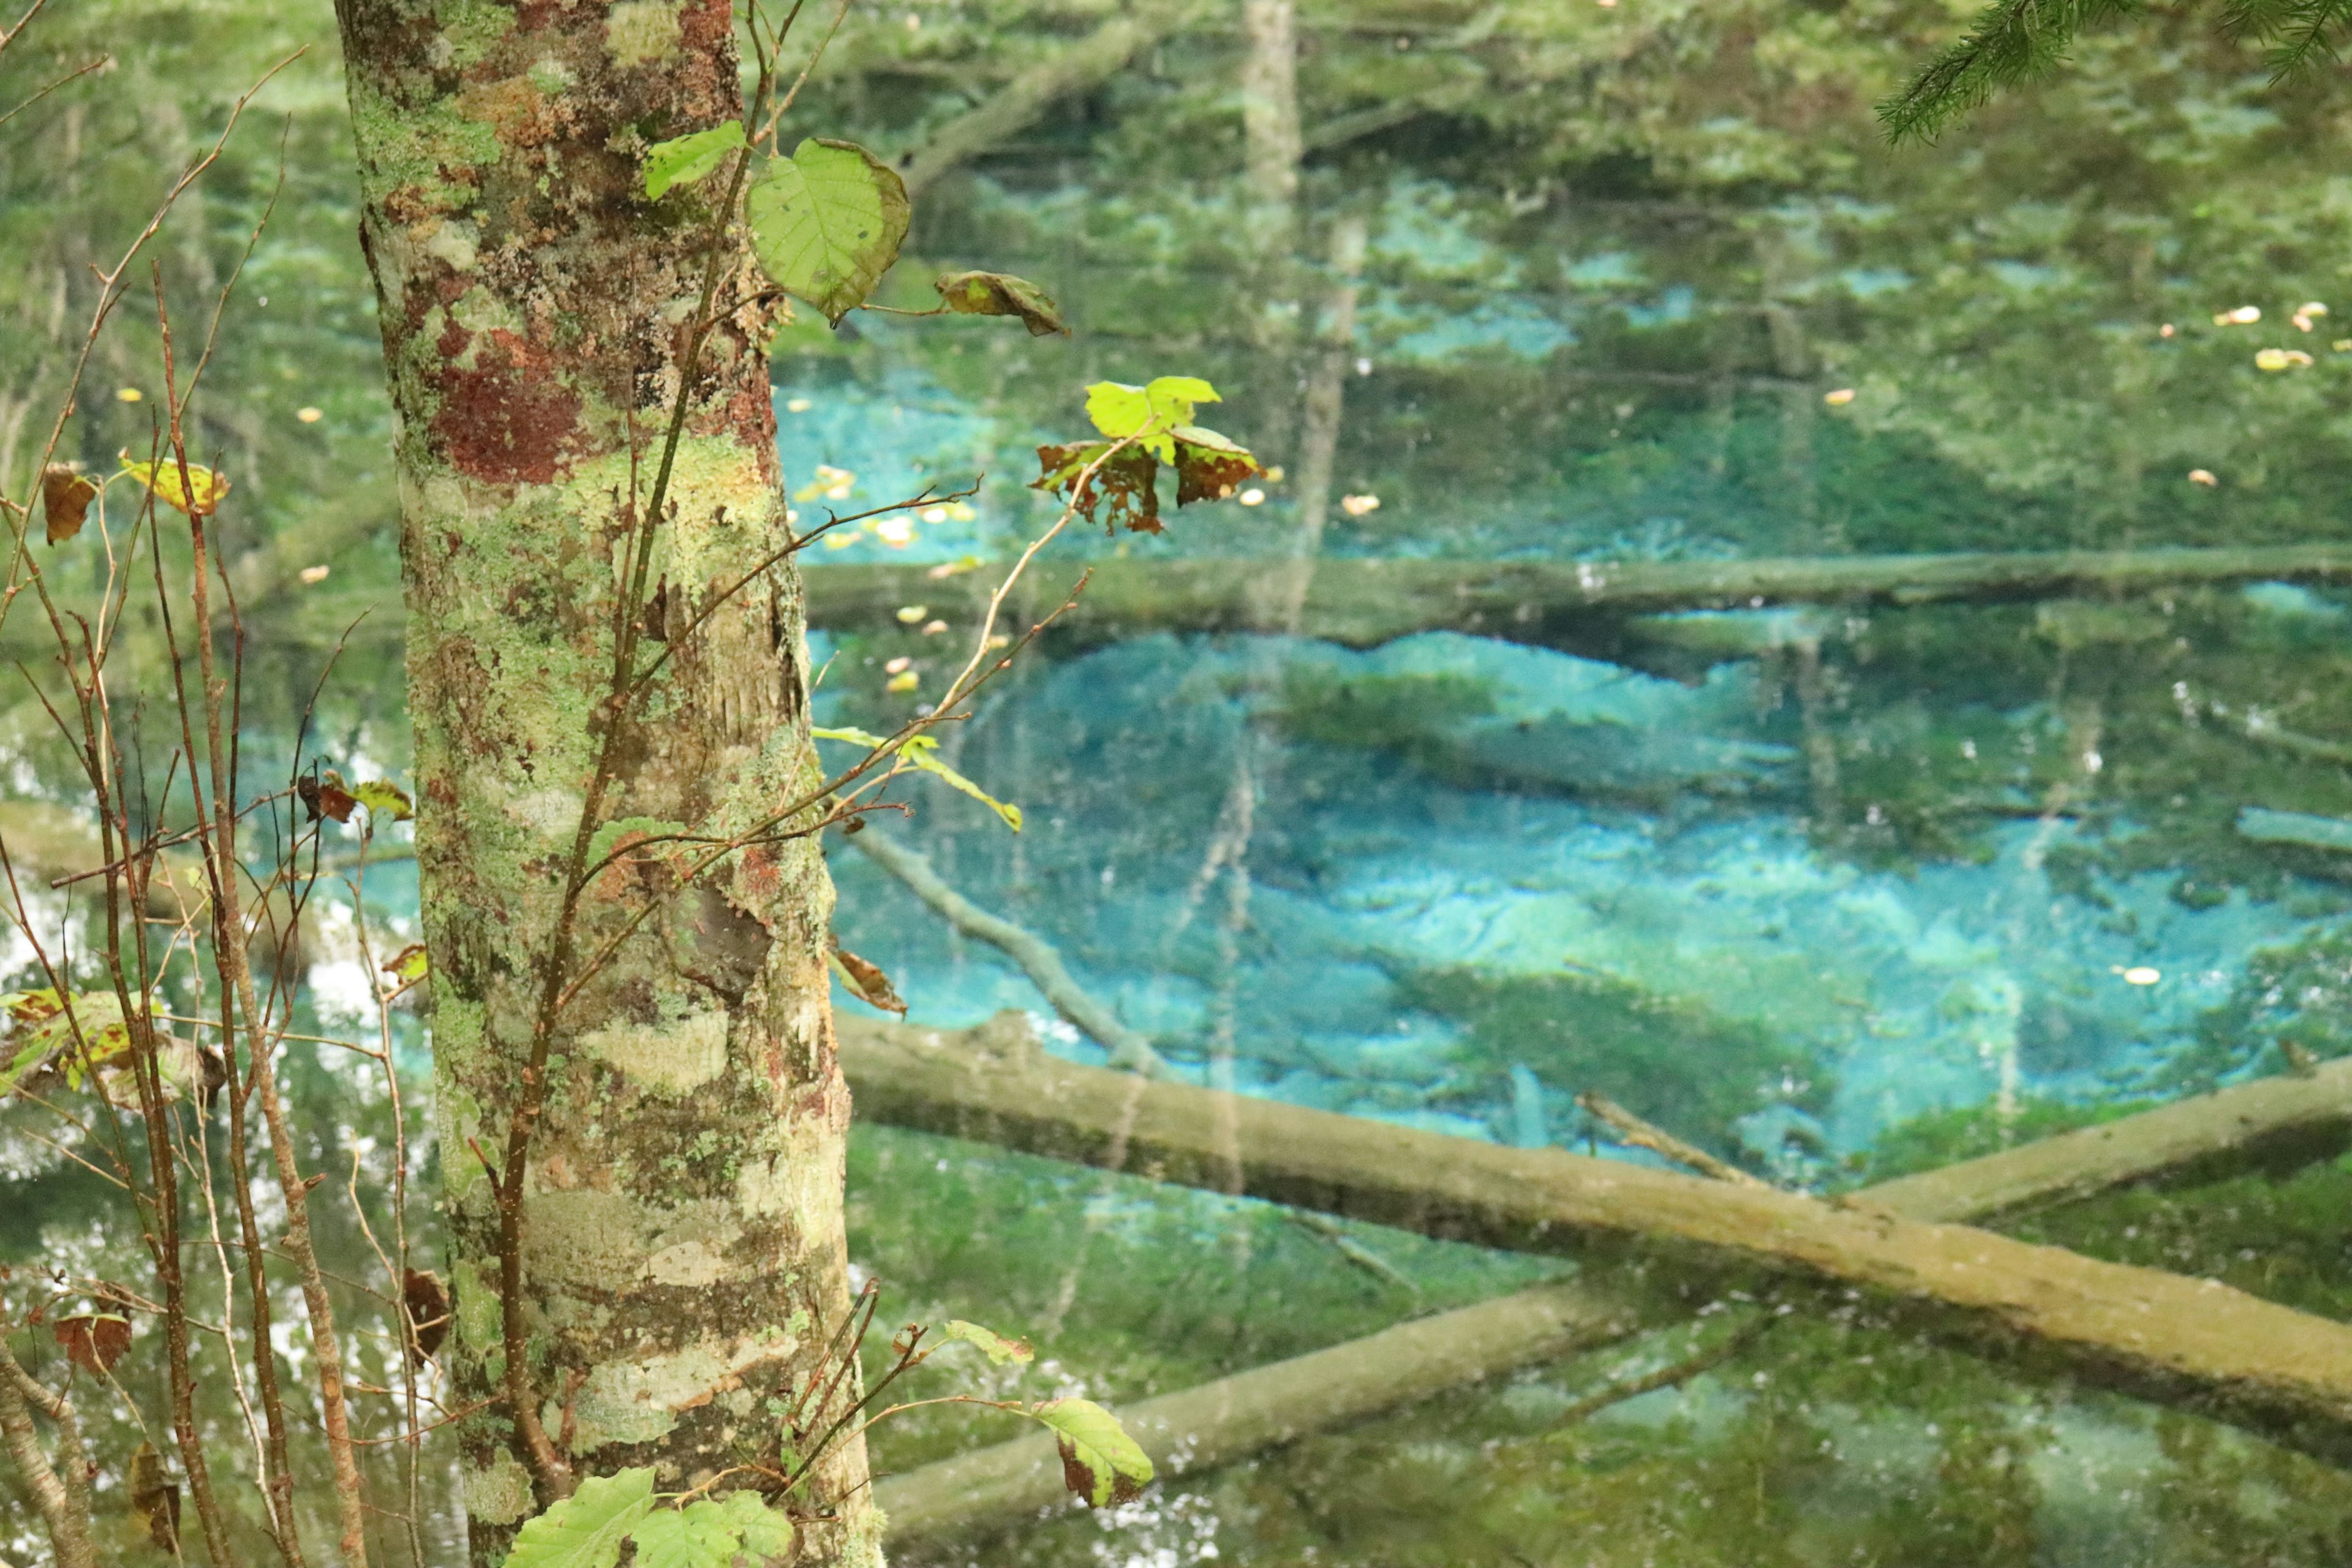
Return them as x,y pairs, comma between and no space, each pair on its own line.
1654,1244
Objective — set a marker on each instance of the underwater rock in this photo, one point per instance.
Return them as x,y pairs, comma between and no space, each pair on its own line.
2264,825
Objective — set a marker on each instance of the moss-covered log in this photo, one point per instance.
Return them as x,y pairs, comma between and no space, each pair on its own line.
1363,603
2189,1342
680,1259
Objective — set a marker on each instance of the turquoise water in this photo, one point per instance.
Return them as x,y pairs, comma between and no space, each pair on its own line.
1833,888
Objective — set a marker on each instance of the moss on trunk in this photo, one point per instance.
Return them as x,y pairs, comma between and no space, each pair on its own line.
683,1257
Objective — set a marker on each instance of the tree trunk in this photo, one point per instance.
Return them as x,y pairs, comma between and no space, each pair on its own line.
680,1260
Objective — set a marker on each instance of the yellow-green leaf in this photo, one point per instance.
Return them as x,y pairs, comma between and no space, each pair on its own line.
685,158
384,799
586,1529
826,223
1100,1462
205,487
998,1348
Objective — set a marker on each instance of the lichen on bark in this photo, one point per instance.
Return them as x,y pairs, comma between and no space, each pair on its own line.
683,1255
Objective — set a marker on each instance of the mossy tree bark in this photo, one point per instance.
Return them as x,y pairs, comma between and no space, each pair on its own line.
681,1261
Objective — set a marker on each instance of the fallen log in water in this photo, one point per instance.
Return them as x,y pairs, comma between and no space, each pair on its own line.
1363,603
2194,1343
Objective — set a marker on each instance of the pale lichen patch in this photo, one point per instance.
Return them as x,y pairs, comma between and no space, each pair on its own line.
498,1493
642,32
671,1059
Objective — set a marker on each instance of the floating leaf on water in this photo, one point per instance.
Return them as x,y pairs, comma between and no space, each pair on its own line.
65,500
2202,477
310,416
1360,506
128,394
2243,316
1100,1463
865,979
2276,359
896,531
955,568
685,158
1001,294
1252,497
206,487
933,628
797,406
313,575
997,1347
826,223
909,613
906,681
94,1341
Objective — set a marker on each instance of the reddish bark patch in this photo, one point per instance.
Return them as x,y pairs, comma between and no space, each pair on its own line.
508,420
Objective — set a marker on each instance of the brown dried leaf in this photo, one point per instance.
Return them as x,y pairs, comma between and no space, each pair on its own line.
94,1341
1208,465
1123,490
65,500
865,981
155,1500
326,796
428,1311
1001,294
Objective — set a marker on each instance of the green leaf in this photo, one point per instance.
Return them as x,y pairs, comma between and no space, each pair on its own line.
999,1349
766,1532
1150,414
919,750
685,158
384,799
826,223
1100,1463
709,1534
1001,294
44,1031
586,1529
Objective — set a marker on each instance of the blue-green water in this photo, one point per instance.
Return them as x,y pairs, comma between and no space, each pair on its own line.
1831,890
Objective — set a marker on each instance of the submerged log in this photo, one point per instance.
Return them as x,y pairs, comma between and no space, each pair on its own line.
1363,603
2194,1343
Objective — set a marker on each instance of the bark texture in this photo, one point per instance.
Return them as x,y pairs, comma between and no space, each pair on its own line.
682,1261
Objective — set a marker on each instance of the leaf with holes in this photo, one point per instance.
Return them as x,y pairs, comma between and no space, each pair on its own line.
1123,489
1001,294
999,1349
94,1342
79,1032
386,799
682,160
865,979
65,500
1100,1463
586,1529
826,223
200,497
1208,465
